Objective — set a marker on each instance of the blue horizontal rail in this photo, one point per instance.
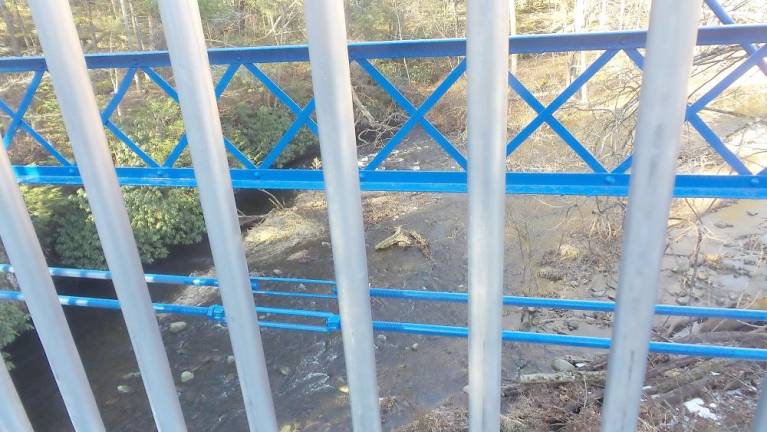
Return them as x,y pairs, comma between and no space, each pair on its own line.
332,324
601,181
587,184
214,312
754,354
423,48
403,294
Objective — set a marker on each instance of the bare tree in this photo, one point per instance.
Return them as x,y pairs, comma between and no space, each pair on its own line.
91,26
603,18
128,33
399,34
621,13
30,41
579,25
10,27
135,27
513,32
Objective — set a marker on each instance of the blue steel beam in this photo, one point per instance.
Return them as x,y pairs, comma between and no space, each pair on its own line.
303,117
726,19
417,115
374,180
560,100
753,354
241,157
213,312
587,184
26,127
223,83
106,115
128,141
736,34
693,109
545,114
332,324
752,60
403,294
278,92
555,124
18,116
122,89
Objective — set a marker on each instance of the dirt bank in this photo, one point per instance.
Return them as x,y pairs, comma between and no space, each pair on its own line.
555,247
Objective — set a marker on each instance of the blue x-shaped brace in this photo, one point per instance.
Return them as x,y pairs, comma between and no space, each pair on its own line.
693,109
417,115
17,121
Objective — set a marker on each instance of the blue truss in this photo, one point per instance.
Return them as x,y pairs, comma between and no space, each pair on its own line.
323,321
600,181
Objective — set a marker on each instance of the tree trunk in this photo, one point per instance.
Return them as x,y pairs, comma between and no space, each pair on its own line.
513,32
603,18
30,41
136,29
579,24
150,26
129,40
91,27
621,13
126,23
399,33
455,17
114,7
10,27
115,77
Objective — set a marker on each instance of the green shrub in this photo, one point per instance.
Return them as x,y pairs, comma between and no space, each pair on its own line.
45,205
160,218
255,131
14,319
155,127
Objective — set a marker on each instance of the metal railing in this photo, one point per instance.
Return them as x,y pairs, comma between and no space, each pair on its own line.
601,180
669,43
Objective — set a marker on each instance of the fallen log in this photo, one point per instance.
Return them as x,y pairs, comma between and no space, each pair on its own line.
404,238
561,377
667,382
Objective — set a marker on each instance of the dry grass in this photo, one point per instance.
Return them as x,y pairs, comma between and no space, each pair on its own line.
443,419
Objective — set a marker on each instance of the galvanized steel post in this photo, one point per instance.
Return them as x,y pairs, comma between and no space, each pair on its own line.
194,83
66,64
487,57
26,255
662,105
759,423
13,418
329,59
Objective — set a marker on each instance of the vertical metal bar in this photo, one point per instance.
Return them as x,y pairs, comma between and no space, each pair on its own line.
66,64
662,105
194,84
487,57
13,418
329,59
759,424
24,251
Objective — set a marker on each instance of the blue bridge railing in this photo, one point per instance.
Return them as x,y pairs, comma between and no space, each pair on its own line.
601,180
326,321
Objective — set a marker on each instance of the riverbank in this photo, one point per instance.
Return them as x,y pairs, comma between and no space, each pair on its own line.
563,247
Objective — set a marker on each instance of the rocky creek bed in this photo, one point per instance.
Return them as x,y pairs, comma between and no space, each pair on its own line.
555,247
